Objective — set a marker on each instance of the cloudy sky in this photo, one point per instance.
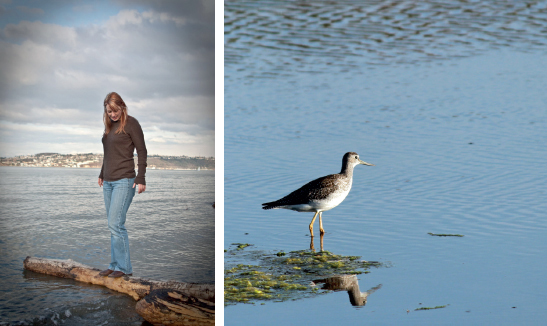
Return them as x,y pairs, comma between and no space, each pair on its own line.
59,59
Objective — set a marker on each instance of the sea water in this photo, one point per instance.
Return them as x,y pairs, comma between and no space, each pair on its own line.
447,99
59,213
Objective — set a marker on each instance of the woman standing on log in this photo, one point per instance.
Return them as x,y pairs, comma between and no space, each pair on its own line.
122,135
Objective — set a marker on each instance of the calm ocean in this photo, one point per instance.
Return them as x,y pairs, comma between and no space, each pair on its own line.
448,99
59,213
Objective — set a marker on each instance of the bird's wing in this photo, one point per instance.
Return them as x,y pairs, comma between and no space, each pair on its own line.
317,189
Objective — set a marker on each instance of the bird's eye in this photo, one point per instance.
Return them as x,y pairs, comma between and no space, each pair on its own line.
357,157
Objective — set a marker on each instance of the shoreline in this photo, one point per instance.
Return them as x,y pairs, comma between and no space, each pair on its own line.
70,167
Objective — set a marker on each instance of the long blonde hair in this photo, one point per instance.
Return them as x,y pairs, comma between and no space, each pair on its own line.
115,102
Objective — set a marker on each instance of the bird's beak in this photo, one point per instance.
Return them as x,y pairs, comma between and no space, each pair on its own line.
365,163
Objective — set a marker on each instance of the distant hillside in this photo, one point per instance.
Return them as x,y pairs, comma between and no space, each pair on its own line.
178,162
170,163
90,160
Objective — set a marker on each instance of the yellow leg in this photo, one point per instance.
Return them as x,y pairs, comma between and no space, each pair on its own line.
321,237
321,224
313,220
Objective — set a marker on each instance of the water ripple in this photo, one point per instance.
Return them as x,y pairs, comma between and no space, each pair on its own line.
293,37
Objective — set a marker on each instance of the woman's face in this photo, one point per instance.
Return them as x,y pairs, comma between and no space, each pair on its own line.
114,116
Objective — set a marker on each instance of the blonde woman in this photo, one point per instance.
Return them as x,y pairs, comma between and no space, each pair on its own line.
122,135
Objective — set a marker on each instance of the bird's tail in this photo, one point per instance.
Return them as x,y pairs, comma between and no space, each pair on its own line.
269,205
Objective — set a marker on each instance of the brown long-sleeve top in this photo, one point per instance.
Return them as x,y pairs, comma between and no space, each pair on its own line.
118,160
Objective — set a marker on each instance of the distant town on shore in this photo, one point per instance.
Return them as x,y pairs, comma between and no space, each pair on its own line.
90,160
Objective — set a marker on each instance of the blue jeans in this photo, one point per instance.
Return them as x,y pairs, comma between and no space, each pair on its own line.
118,195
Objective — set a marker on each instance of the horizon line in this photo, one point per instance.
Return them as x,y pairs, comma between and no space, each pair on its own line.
98,154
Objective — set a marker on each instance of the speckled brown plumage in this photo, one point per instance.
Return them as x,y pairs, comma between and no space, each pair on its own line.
318,189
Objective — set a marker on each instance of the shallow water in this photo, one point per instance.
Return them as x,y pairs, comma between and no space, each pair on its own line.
59,213
454,122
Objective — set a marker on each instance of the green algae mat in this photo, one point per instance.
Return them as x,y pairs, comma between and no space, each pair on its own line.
254,276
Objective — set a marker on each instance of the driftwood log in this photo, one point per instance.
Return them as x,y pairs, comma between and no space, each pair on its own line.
160,303
174,307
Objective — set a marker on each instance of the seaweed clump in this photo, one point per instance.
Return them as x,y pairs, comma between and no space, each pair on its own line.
280,277
444,235
431,308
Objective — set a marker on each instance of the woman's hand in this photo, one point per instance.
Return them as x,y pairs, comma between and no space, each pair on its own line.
140,188
100,182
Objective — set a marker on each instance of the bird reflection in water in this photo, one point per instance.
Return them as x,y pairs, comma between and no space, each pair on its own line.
312,247
348,283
